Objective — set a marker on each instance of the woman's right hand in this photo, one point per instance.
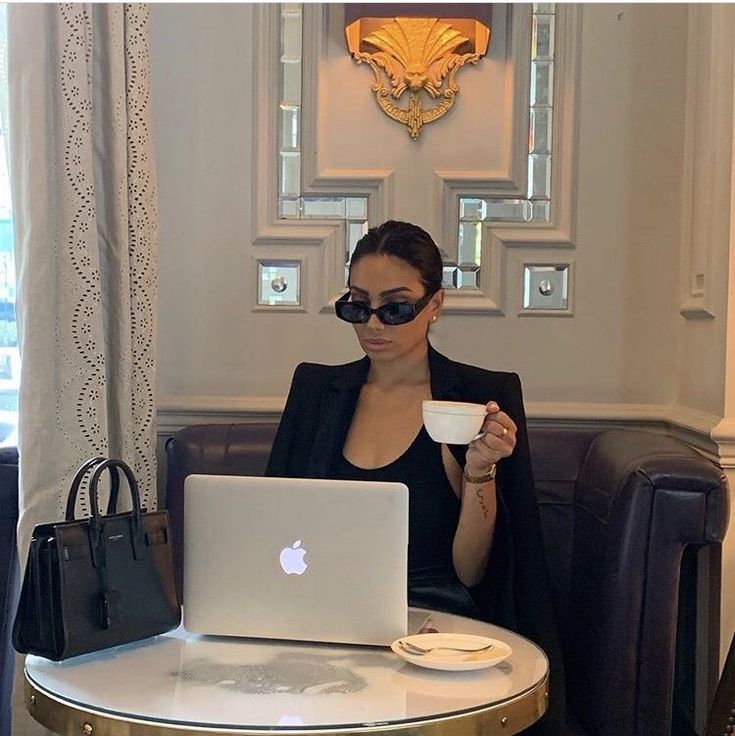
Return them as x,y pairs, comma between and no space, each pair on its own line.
497,441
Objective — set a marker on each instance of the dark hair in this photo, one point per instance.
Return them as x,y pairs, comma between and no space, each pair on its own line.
408,242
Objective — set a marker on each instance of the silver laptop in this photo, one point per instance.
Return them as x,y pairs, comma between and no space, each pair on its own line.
288,558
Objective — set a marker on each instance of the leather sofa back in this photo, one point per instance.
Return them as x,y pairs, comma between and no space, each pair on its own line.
243,449
618,508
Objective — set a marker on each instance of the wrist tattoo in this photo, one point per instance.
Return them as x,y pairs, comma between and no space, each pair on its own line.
481,499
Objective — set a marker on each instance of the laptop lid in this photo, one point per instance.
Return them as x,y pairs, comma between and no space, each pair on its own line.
292,558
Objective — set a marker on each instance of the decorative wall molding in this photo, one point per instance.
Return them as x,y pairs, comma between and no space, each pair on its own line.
510,180
520,259
319,21
706,432
696,302
689,425
559,232
375,184
269,229
176,413
299,273
724,435
706,166
282,237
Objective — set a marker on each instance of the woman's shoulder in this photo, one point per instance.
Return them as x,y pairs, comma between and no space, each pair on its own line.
324,372
474,383
471,375
476,373
483,384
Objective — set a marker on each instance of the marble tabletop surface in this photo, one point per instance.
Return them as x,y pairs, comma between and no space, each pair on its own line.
181,679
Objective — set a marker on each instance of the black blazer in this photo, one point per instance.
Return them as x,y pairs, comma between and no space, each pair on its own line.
515,592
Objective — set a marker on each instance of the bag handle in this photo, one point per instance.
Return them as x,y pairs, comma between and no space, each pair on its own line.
96,524
71,500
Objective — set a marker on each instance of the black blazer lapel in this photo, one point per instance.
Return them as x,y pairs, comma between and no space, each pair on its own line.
340,399
337,408
446,384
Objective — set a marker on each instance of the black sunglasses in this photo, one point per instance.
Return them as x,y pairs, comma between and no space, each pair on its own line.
392,313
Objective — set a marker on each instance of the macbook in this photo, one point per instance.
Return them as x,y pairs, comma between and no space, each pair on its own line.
291,558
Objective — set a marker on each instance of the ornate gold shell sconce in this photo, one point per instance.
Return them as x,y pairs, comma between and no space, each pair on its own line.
415,59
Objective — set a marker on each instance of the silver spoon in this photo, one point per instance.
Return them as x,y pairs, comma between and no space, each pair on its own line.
407,646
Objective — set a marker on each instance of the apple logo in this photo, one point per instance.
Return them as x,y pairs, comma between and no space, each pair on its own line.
292,559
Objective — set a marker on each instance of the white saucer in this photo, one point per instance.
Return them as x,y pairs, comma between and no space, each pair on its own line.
446,659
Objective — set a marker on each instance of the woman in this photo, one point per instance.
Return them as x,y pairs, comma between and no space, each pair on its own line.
475,544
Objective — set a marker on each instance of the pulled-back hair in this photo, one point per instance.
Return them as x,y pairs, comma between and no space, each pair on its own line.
408,242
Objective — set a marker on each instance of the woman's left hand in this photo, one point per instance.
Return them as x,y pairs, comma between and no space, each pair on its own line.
497,442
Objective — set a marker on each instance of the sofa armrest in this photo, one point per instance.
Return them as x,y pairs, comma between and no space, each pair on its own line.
640,500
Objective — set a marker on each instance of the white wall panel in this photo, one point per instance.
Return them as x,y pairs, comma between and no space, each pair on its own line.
618,345
706,215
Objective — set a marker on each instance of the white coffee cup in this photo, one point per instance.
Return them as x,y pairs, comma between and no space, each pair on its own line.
453,422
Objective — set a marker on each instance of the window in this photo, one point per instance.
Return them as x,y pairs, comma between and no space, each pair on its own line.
9,355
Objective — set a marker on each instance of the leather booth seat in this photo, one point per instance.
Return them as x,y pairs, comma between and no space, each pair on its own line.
633,523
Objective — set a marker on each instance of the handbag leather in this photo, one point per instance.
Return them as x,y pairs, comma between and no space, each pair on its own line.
98,582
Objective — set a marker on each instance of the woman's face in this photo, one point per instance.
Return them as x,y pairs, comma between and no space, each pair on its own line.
377,280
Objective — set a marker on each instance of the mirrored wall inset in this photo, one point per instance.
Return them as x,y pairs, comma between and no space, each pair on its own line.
546,287
463,267
535,208
279,283
292,204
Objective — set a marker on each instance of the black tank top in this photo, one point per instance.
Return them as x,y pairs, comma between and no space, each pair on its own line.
433,506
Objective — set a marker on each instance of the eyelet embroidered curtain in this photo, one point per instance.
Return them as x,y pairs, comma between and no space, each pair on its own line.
85,215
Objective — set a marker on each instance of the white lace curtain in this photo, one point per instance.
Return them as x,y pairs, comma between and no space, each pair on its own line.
85,215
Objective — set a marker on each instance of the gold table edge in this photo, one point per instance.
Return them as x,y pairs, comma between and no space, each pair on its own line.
500,719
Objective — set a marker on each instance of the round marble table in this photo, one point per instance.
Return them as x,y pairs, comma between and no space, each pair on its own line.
181,683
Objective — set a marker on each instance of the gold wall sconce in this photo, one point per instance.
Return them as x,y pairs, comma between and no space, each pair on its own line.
420,49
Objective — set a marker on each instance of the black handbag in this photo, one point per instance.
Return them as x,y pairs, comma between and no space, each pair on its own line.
98,582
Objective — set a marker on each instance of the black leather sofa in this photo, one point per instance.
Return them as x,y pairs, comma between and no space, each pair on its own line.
633,523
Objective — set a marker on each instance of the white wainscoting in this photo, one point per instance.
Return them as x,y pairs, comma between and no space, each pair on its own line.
705,432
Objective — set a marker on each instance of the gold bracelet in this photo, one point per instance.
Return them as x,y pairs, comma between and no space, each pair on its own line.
490,475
